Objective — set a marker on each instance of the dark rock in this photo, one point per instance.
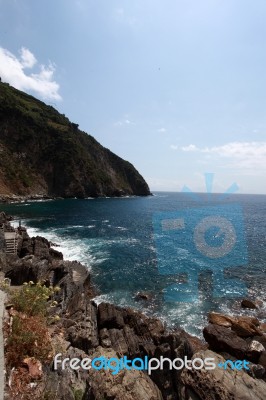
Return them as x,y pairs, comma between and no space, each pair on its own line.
246,303
110,316
256,371
262,359
55,254
143,296
223,339
83,333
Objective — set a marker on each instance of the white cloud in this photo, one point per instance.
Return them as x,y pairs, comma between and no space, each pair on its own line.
162,130
191,147
12,70
124,122
243,154
27,58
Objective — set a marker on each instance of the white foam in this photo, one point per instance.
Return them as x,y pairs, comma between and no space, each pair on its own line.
72,249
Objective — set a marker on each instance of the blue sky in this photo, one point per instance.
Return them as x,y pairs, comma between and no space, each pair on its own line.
177,87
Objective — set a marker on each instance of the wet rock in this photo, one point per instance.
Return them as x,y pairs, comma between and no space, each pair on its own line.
143,296
246,303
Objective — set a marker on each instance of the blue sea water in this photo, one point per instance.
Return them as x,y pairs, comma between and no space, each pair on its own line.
118,241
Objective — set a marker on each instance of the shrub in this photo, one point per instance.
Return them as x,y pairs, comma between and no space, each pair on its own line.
29,338
33,299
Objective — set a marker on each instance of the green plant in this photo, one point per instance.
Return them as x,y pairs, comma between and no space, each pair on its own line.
32,299
78,394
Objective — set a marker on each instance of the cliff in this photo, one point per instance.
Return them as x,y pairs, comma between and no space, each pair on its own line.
43,153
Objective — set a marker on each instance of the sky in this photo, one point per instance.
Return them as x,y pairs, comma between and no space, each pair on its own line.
176,87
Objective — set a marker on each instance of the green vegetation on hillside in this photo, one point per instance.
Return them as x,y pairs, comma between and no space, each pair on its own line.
42,152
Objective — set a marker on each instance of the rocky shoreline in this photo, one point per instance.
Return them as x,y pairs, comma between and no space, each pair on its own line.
9,199
87,329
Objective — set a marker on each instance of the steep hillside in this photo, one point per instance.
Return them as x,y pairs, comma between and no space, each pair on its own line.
42,152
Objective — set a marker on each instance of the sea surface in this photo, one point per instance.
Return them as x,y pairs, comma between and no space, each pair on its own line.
120,242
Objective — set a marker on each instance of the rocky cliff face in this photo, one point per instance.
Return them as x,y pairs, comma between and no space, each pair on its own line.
42,152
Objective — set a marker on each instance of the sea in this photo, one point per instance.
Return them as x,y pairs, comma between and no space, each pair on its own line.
147,245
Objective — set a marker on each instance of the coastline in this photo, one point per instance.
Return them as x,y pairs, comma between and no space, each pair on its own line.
109,330
77,249
10,199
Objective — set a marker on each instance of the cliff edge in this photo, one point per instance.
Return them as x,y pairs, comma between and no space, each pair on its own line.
43,153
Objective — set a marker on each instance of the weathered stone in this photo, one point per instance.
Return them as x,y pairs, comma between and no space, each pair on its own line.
219,319
110,316
125,385
118,341
104,336
254,351
219,383
83,334
244,328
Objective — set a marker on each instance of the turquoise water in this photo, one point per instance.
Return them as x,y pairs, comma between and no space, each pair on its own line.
115,238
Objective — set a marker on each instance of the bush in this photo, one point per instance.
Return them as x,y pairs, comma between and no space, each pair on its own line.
29,338
33,299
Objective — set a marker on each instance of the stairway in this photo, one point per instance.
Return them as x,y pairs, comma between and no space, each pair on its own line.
11,242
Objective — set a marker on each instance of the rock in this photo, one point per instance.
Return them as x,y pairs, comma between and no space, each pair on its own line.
250,320
223,339
263,327
110,316
262,359
105,340
245,328
219,383
256,371
254,351
246,303
67,384
219,319
143,296
83,332
34,366
125,385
